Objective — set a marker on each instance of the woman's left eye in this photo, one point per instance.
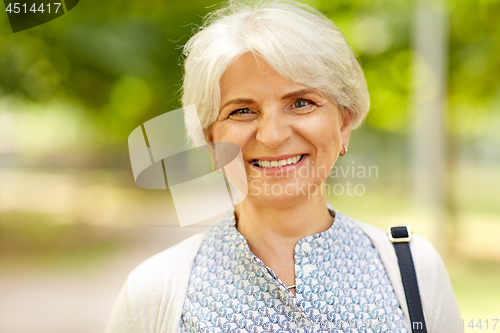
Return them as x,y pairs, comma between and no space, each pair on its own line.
300,103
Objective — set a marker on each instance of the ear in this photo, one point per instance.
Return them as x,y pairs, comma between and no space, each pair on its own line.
345,128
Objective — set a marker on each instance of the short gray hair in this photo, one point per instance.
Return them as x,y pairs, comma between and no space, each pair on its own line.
299,42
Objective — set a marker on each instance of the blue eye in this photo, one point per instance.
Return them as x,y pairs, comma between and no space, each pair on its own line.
300,103
243,111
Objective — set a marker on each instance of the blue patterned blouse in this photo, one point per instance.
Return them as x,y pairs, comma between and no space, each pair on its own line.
341,286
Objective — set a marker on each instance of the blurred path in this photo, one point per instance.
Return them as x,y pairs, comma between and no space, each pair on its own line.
76,302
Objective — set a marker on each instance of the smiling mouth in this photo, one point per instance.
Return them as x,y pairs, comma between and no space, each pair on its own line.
277,164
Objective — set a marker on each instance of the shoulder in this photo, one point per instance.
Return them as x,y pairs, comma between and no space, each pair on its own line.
425,257
164,266
420,247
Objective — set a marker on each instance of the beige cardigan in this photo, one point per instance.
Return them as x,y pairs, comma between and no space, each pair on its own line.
153,296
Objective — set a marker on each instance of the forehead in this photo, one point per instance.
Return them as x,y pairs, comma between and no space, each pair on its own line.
250,73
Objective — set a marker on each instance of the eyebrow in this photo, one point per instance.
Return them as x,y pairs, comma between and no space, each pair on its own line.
238,101
290,95
301,92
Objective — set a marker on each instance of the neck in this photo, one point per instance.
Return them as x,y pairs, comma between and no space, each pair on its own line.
267,224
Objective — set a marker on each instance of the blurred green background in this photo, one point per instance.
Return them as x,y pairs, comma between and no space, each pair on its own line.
72,221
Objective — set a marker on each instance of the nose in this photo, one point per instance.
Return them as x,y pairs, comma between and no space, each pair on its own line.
273,129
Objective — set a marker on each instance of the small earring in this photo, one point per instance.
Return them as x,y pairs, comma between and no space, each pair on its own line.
342,153
215,169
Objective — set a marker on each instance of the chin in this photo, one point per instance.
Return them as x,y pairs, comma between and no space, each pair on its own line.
283,193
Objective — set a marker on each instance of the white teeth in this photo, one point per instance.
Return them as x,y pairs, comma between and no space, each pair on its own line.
280,163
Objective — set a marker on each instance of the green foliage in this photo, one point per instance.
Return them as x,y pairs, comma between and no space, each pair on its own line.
120,61
474,88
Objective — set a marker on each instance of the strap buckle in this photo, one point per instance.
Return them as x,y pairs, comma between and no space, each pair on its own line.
399,233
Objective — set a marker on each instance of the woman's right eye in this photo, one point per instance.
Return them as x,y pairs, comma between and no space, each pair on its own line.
241,112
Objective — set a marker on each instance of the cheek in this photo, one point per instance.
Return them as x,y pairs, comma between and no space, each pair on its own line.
323,133
234,133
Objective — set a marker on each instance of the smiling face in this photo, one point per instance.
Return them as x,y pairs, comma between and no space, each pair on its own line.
290,135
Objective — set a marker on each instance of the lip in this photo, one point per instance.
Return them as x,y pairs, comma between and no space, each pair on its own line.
281,170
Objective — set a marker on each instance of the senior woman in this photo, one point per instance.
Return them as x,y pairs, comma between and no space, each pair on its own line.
279,80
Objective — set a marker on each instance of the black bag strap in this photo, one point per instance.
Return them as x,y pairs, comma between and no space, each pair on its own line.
400,236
